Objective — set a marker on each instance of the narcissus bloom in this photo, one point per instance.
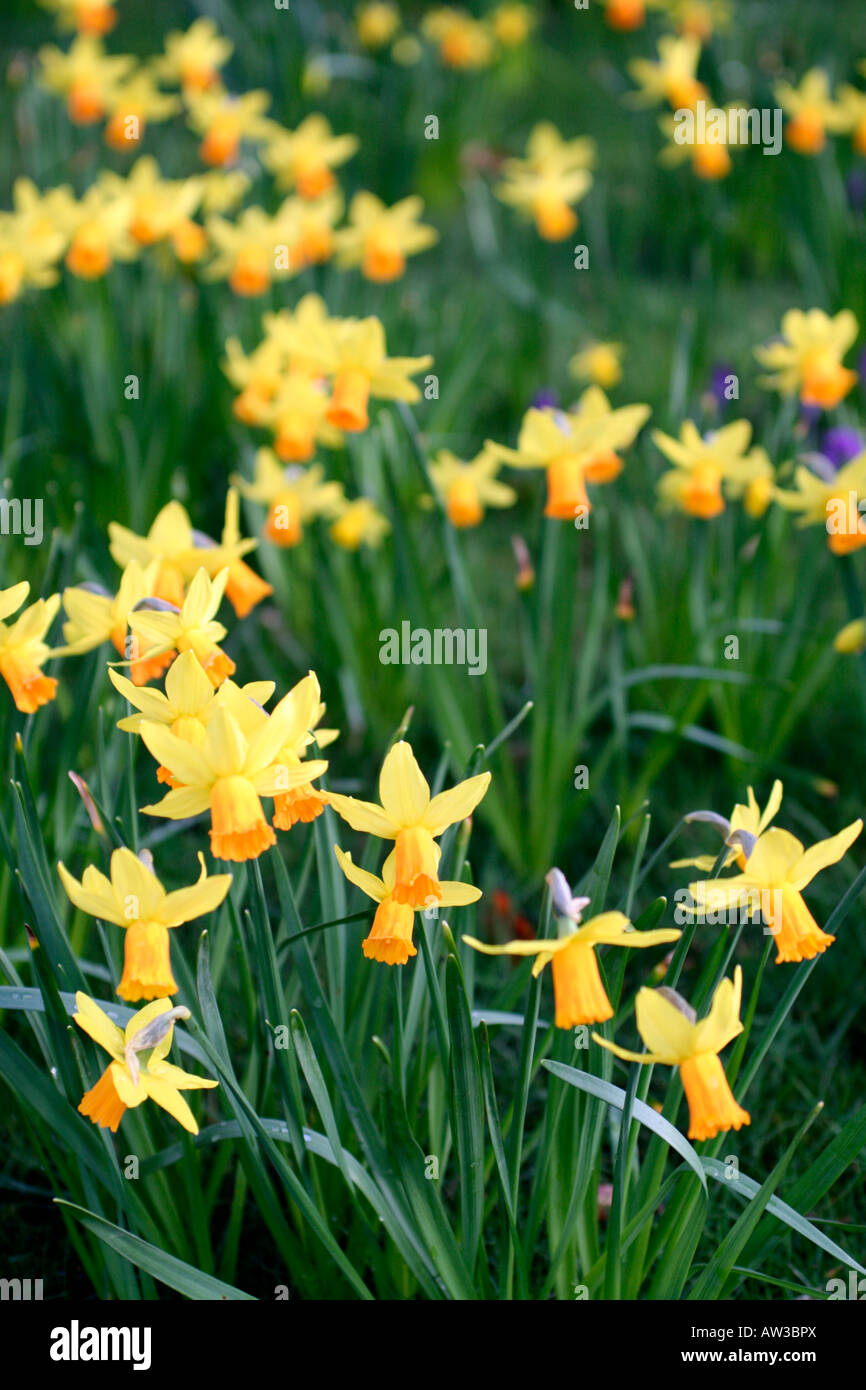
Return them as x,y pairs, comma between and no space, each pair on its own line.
577,986
553,175
749,818
627,15
466,488
236,764
23,649
808,359
132,104
293,496
138,1070
306,157
310,224
700,18
31,240
251,253
85,74
95,17
181,551
189,701
135,899
568,445
835,500
674,1038
512,23
302,802
97,229
193,627
225,120
705,144
358,523
377,23
851,639
297,416
95,616
852,106
463,41
157,205
600,363
379,238
672,78
812,112
702,464
777,869
390,939
408,816
194,58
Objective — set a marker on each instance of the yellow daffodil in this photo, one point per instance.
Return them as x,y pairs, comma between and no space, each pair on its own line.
379,238
408,816
138,1070
289,330
297,415
836,501
186,706
135,899
627,15
191,628
134,103
250,253
808,360
463,42
777,868
292,495
746,817
466,488
158,205
377,23
94,17
244,588
97,229
674,1038
193,58
182,551
390,938
600,363
224,189
359,523
702,464
699,18
305,158
85,75
553,175
95,616
23,650
579,994
706,144
568,445
31,239
852,107
229,772
302,802
851,639
225,120
812,112
672,77
257,376
310,224
512,23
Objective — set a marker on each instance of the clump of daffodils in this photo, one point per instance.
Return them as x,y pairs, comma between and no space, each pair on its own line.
551,178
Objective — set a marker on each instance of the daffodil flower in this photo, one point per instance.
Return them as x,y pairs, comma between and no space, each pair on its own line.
466,488
835,502
702,464
852,108
190,628
23,649
138,1070
132,104
95,616
158,205
390,938
302,802
746,817
512,23
94,17
578,991
193,58
31,239
379,238
292,495
186,706
408,816
309,227
358,523
135,899
97,229
552,177
182,551
808,359
306,157
776,871
229,772
297,415
377,22
672,78
463,42
85,74
628,15
812,112
700,18
600,363
224,120
674,1037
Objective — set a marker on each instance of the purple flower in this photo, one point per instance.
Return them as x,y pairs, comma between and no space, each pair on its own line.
856,188
545,400
841,444
720,383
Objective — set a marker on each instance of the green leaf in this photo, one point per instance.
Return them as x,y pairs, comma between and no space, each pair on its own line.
467,1110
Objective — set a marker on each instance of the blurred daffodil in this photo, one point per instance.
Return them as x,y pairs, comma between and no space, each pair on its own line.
193,58
293,496
305,158
812,112
807,360
85,75
359,523
467,488
600,363
23,649
379,238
